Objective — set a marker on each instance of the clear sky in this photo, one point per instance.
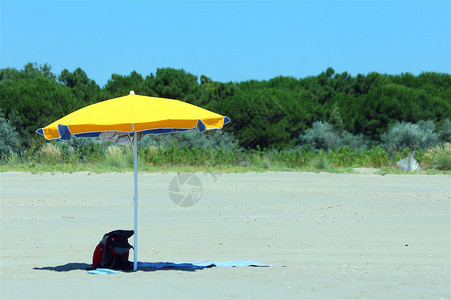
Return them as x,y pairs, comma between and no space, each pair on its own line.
228,40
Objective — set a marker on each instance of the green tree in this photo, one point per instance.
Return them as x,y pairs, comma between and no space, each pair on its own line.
120,85
268,118
84,89
33,103
30,71
212,93
173,84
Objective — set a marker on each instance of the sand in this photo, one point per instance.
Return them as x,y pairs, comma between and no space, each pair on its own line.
339,235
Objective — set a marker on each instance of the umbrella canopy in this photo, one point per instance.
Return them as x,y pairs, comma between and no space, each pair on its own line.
125,118
133,113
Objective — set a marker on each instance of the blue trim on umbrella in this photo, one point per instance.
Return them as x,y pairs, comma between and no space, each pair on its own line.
88,134
64,132
40,131
201,126
164,130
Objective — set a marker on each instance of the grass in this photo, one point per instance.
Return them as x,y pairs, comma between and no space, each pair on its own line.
55,158
438,158
442,161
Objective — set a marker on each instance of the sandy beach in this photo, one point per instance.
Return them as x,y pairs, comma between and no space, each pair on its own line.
339,235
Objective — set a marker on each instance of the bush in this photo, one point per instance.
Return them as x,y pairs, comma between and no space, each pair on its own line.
51,154
320,136
223,140
438,158
413,136
324,136
444,134
114,157
442,161
192,139
353,141
9,138
88,149
119,157
320,163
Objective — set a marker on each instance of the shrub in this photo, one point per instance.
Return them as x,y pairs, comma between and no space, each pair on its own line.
343,156
10,158
88,149
324,136
353,141
51,154
414,136
444,134
320,136
9,138
375,157
192,139
223,140
438,158
442,161
115,157
320,163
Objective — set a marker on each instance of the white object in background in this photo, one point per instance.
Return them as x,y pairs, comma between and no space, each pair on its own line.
409,164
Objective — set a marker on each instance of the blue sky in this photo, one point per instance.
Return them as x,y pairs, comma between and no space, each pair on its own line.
228,40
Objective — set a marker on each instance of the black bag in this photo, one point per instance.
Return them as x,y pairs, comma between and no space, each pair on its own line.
113,250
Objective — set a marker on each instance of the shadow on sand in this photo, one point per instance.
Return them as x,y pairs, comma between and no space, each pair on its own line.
67,267
164,266
146,267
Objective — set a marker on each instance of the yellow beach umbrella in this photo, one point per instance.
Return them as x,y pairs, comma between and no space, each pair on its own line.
128,118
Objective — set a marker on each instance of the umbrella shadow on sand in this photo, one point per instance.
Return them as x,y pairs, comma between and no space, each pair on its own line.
66,268
165,266
151,267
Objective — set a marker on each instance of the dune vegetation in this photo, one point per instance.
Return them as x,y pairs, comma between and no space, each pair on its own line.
331,122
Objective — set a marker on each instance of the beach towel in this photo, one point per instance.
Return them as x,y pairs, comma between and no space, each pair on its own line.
190,266
102,271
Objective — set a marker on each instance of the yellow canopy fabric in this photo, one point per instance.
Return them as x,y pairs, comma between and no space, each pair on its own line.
133,113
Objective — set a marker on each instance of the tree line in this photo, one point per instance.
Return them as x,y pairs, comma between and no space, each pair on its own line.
271,114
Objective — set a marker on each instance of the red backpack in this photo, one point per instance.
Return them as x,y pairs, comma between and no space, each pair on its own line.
113,250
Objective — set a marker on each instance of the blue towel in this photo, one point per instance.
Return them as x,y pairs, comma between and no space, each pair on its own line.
103,271
190,266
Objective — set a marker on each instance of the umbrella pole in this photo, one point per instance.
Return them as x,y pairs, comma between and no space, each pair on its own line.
135,200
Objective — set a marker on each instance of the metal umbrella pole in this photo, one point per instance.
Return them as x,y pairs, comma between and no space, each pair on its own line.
135,200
